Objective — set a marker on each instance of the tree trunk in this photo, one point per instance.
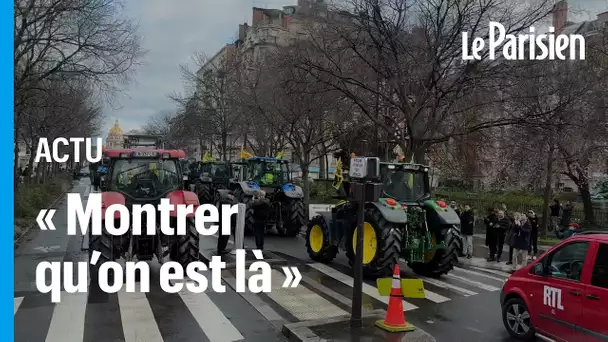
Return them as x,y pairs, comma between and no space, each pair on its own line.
322,167
587,204
547,193
224,144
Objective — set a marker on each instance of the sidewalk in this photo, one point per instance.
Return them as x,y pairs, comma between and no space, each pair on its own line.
488,265
505,248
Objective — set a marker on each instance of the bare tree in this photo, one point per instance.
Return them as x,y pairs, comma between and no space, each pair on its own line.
407,56
60,41
211,91
289,100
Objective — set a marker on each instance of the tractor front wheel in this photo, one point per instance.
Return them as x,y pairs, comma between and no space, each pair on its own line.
381,245
441,261
318,245
186,248
293,217
204,193
105,245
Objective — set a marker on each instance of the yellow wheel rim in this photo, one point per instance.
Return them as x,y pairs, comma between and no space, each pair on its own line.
369,243
428,256
315,238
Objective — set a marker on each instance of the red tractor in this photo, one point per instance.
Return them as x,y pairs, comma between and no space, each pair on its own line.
145,176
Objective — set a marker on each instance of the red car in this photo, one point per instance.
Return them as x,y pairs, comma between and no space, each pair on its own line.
561,296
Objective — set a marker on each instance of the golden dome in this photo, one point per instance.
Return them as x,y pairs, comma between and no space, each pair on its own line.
116,130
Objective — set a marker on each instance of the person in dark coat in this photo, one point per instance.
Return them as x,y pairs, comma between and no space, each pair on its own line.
491,222
533,221
261,210
467,223
502,227
520,240
564,223
554,216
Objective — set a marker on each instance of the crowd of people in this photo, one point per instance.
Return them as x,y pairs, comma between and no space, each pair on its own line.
516,230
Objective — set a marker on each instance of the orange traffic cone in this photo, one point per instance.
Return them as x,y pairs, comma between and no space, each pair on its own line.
395,317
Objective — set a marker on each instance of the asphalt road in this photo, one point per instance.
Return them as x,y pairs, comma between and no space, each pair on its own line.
462,306
99,317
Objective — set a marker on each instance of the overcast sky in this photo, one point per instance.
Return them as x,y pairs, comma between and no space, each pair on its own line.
173,31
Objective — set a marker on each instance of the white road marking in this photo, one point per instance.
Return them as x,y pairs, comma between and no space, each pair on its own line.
138,323
481,274
301,302
67,323
473,282
367,289
210,318
18,302
435,297
500,273
448,286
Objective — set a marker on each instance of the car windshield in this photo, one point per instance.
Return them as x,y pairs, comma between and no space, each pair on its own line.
216,170
141,178
403,185
269,172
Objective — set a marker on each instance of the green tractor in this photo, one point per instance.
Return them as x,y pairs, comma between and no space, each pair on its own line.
214,181
403,223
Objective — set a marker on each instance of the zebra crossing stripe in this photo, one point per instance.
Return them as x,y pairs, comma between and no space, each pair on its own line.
473,282
18,301
500,273
209,317
67,322
367,289
448,286
301,302
138,321
480,274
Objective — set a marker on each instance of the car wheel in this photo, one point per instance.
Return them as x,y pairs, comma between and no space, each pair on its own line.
517,320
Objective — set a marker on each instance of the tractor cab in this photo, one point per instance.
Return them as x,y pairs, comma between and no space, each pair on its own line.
405,183
273,176
268,172
141,174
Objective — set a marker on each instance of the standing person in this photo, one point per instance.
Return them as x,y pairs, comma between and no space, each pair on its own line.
564,223
520,241
504,225
533,221
491,221
454,206
261,210
508,236
467,223
554,217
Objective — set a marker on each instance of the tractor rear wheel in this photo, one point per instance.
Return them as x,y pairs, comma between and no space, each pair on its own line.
204,193
186,248
105,245
293,218
381,245
441,261
318,244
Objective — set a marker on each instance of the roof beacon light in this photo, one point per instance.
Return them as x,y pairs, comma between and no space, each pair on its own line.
166,155
442,204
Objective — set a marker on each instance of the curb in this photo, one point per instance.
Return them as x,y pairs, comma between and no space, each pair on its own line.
303,331
27,230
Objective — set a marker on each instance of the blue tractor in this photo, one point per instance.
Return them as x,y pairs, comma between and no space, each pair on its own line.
272,177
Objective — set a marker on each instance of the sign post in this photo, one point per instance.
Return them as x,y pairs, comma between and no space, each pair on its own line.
362,171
